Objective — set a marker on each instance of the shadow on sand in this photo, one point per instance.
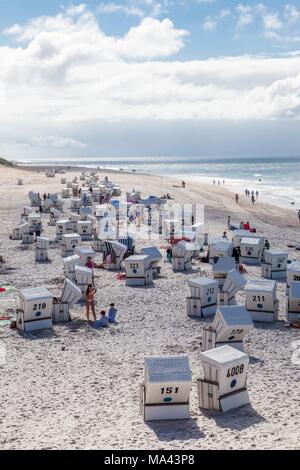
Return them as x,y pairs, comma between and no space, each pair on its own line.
239,419
182,430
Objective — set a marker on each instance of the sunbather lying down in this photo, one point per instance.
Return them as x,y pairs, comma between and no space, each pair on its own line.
91,264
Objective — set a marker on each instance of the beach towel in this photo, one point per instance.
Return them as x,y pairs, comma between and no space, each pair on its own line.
6,319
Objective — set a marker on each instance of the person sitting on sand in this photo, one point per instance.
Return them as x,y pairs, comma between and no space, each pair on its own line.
91,264
90,302
102,322
224,237
112,313
247,226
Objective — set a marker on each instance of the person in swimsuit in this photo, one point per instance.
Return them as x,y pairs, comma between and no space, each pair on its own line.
89,302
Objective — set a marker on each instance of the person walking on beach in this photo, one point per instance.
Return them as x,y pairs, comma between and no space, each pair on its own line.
257,193
90,302
229,222
267,244
299,215
253,198
246,192
237,198
236,253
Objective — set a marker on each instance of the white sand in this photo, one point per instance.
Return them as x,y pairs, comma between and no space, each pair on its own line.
87,396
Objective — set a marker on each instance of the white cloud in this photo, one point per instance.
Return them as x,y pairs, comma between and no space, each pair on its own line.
224,13
119,8
291,13
74,10
209,24
68,71
246,15
48,35
55,141
272,21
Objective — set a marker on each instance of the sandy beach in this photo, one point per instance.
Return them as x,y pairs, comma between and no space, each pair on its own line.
75,388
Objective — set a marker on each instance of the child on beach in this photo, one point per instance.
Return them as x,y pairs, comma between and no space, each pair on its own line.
102,322
112,313
89,302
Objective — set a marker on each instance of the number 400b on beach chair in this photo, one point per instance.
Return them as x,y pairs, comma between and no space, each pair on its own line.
223,387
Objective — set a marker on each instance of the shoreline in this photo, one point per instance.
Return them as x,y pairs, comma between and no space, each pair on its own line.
266,193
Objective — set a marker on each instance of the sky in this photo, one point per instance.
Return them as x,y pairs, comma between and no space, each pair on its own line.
149,77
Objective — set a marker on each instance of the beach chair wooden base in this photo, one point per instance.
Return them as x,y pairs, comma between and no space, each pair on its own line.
263,317
161,411
60,312
234,400
181,265
138,281
66,253
266,271
32,325
196,309
209,399
28,239
16,235
41,255
208,394
209,341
